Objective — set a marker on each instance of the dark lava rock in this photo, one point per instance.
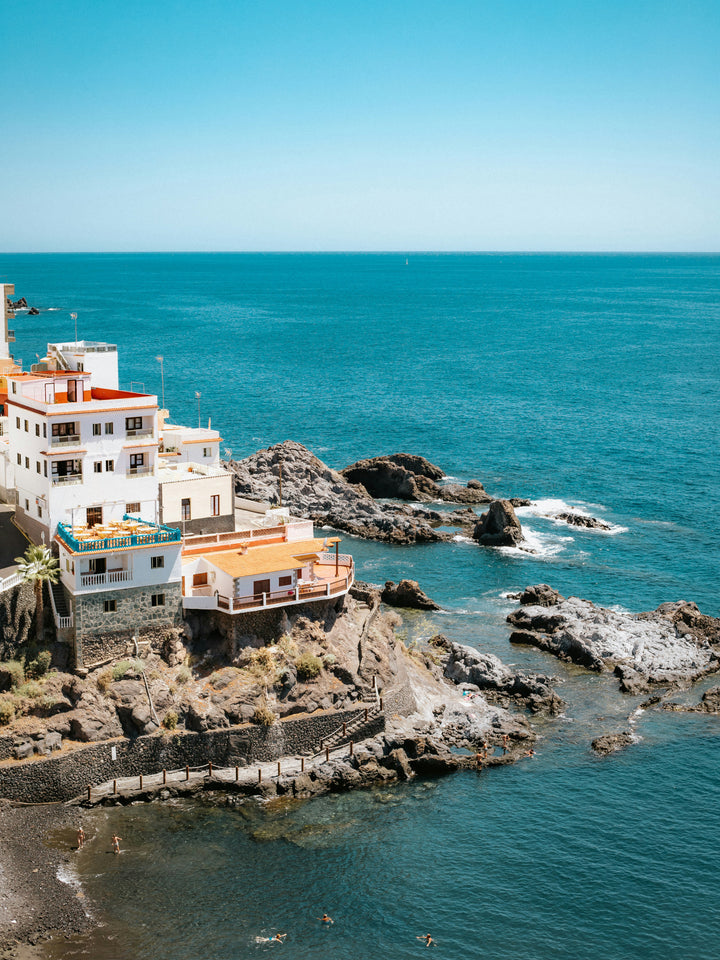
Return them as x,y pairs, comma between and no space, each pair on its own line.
407,593
579,520
33,312
610,742
499,526
383,477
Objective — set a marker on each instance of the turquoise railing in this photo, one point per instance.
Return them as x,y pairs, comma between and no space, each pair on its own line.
161,534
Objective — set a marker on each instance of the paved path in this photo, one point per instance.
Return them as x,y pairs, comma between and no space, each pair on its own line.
289,766
13,543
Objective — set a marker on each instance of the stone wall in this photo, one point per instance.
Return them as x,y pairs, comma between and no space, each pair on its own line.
61,778
265,625
221,524
17,619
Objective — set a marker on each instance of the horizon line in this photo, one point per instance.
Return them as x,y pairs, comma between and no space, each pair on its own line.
396,252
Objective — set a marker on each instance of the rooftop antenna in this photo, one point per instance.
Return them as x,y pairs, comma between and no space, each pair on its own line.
73,316
162,379
197,397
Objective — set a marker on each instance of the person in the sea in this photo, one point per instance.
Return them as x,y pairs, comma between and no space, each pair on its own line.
80,837
530,752
326,919
505,743
278,938
116,843
429,942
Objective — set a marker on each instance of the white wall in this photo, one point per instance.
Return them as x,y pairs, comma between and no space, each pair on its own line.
199,490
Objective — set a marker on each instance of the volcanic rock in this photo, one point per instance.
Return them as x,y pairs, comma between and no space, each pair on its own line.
610,742
499,526
407,593
580,520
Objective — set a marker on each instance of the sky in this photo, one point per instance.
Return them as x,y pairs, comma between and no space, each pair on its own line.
264,125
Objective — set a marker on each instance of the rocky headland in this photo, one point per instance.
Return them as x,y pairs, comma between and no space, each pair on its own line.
354,499
672,645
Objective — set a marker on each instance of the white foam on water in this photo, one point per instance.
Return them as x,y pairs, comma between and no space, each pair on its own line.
550,507
53,309
537,545
459,538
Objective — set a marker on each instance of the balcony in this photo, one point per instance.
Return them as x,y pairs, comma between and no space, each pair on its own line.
105,579
68,440
11,336
67,479
131,532
139,472
140,433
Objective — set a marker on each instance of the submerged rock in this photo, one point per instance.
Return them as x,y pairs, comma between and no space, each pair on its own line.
611,742
580,520
499,526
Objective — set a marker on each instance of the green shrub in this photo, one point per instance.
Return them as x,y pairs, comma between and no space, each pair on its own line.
308,666
32,690
14,672
170,720
184,674
39,666
7,711
329,659
124,668
263,715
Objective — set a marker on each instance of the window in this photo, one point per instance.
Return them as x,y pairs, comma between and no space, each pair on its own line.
17,422
93,516
132,508
199,579
27,506
285,582
136,460
39,509
26,426
27,463
45,468
109,465
133,423
98,565
108,428
97,466
110,606
67,566
207,451
157,600
185,509
14,388
45,430
19,459
157,562
37,429
64,430
74,391
215,504
97,427
37,465
66,468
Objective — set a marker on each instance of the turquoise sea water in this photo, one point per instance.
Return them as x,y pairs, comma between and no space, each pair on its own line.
593,381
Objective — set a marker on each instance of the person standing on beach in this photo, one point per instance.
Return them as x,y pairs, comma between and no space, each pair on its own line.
80,837
116,843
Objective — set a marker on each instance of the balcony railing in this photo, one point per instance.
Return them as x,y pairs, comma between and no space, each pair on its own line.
139,471
120,541
67,479
11,336
101,579
66,440
140,433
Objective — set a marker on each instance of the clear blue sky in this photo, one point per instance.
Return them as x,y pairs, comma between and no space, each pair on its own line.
447,125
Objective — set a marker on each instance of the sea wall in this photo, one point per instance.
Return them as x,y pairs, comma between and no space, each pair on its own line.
61,778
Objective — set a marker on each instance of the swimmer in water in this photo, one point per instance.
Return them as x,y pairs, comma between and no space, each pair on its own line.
530,752
429,942
326,919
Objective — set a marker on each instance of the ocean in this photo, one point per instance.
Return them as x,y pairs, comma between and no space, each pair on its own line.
574,380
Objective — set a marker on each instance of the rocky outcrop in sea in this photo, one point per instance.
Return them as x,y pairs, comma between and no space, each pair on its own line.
404,476
499,526
671,645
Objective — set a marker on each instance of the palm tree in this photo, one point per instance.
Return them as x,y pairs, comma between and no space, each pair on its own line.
37,566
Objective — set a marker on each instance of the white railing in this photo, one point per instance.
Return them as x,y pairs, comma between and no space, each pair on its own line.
70,478
63,441
62,623
343,559
139,472
101,579
14,580
140,433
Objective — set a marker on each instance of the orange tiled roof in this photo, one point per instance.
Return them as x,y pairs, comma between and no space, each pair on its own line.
268,559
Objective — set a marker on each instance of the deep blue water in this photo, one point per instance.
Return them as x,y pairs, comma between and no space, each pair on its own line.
591,380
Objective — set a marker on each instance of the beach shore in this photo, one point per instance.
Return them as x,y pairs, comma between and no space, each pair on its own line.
36,846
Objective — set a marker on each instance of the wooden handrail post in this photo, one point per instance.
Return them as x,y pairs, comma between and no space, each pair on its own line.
164,775
237,773
89,792
209,768
351,749
187,773
141,781
259,774
278,768
327,753
302,764
366,714
114,786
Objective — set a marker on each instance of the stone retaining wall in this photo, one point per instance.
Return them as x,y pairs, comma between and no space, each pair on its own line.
65,777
